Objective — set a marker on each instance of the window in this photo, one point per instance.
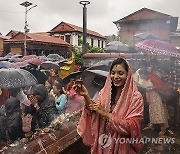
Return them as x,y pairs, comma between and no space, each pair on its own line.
102,44
68,38
79,40
62,37
92,42
62,27
98,43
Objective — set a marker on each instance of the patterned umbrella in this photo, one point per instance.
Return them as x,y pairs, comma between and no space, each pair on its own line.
158,47
16,78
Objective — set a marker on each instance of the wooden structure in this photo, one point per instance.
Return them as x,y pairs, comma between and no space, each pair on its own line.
63,140
146,20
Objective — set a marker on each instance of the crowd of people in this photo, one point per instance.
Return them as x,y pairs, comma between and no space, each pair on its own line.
158,90
27,109
127,99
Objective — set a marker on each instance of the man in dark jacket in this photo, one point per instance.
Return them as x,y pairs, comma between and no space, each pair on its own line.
47,109
11,124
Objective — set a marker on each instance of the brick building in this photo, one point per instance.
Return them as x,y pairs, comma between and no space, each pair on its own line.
146,20
175,39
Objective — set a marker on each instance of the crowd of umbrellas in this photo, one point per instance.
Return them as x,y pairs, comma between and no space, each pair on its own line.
14,76
19,61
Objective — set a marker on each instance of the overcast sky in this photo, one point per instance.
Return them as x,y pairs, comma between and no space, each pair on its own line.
100,13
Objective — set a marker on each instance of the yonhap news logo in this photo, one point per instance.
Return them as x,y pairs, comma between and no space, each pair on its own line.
106,140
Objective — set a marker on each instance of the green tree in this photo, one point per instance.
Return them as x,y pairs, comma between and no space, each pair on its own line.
77,51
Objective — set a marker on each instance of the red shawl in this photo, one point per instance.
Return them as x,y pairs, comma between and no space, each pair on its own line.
158,83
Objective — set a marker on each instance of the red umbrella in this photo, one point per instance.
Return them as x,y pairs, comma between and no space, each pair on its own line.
22,64
36,61
30,57
158,47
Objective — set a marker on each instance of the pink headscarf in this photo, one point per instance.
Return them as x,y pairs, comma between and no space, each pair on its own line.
125,122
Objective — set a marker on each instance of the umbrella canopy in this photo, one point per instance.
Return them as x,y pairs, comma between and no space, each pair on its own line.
22,64
71,75
3,58
3,65
102,65
55,57
145,36
158,47
99,72
10,65
36,61
94,80
50,65
39,74
118,47
16,78
30,57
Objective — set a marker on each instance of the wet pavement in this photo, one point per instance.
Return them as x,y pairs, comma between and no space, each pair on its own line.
167,144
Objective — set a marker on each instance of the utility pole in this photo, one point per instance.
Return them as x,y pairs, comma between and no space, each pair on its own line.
84,3
26,4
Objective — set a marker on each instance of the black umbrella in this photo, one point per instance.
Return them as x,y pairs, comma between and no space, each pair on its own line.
50,65
103,65
40,75
99,72
16,78
71,75
94,80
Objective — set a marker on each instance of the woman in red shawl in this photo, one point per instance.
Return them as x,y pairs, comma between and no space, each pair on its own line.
116,115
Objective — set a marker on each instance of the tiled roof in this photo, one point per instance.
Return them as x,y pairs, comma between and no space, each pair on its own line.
80,29
143,9
5,37
12,31
42,33
37,38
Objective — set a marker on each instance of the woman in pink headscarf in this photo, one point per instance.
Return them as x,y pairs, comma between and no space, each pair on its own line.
112,124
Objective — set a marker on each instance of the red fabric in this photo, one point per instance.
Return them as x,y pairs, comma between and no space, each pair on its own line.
135,129
4,96
158,83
